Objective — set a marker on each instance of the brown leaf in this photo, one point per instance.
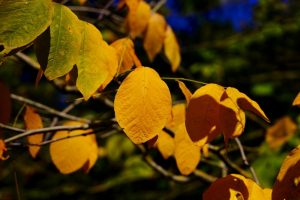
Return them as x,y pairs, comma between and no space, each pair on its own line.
280,132
5,105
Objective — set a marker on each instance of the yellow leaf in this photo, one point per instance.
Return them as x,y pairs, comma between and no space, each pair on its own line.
186,92
97,61
126,54
3,150
177,117
33,121
296,101
172,49
245,103
268,193
71,154
280,132
138,17
202,117
155,35
187,154
142,104
93,156
205,150
234,187
287,185
165,144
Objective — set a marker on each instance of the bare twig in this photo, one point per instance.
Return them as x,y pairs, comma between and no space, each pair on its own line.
28,60
107,5
201,174
11,128
158,5
245,160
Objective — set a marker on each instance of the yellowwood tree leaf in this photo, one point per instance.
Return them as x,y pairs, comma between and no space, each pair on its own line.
126,54
96,60
280,132
137,17
177,117
165,144
33,121
93,156
245,103
3,150
155,35
172,49
234,187
187,154
142,104
296,101
22,21
73,153
186,92
65,42
268,193
202,117
287,185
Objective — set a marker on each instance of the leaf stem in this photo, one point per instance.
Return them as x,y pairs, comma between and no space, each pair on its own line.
183,79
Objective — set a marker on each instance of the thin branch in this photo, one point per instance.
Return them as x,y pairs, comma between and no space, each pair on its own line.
201,174
90,9
11,128
245,160
183,79
158,5
28,60
47,108
107,5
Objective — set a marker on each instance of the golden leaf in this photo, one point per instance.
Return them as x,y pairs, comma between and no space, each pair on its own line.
155,35
126,54
280,132
165,144
33,121
187,154
235,187
177,117
287,182
296,101
3,150
71,154
142,104
172,49
186,92
137,18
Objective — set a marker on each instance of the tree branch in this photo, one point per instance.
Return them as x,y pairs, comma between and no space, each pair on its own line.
11,128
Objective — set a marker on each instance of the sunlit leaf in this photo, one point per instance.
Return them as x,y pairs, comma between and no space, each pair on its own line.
155,35
280,132
186,92
268,193
142,104
177,117
234,187
187,154
165,144
296,101
96,60
23,21
71,154
126,54
93,156
287,185
33,121
65,42
138,17
172,49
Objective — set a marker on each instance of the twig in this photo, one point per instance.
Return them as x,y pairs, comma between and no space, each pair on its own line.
28,60
158,5
205,176
107,5
245,160
47,108
11,128
183,79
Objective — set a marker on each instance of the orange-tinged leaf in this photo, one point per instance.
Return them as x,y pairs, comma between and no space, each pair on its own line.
187,154
245,103
126,54
137,18
186,92
205,150
172,49
287,182
142,104
33,121
233,187
97,61
202,117
71,154
165,144
280,132
296,101
177,117
3,150
93,156
5,105
155,35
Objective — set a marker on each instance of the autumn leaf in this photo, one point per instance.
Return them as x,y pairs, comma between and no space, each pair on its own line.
23,21
234,186
280,132
165,144
3,150
137,17
186,92
126,54
5,105
33,121
72,154
296,101
155,35
177,116
172,49
142,104
187,154
287,182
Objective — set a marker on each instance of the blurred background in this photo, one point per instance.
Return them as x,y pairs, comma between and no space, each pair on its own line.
252,45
